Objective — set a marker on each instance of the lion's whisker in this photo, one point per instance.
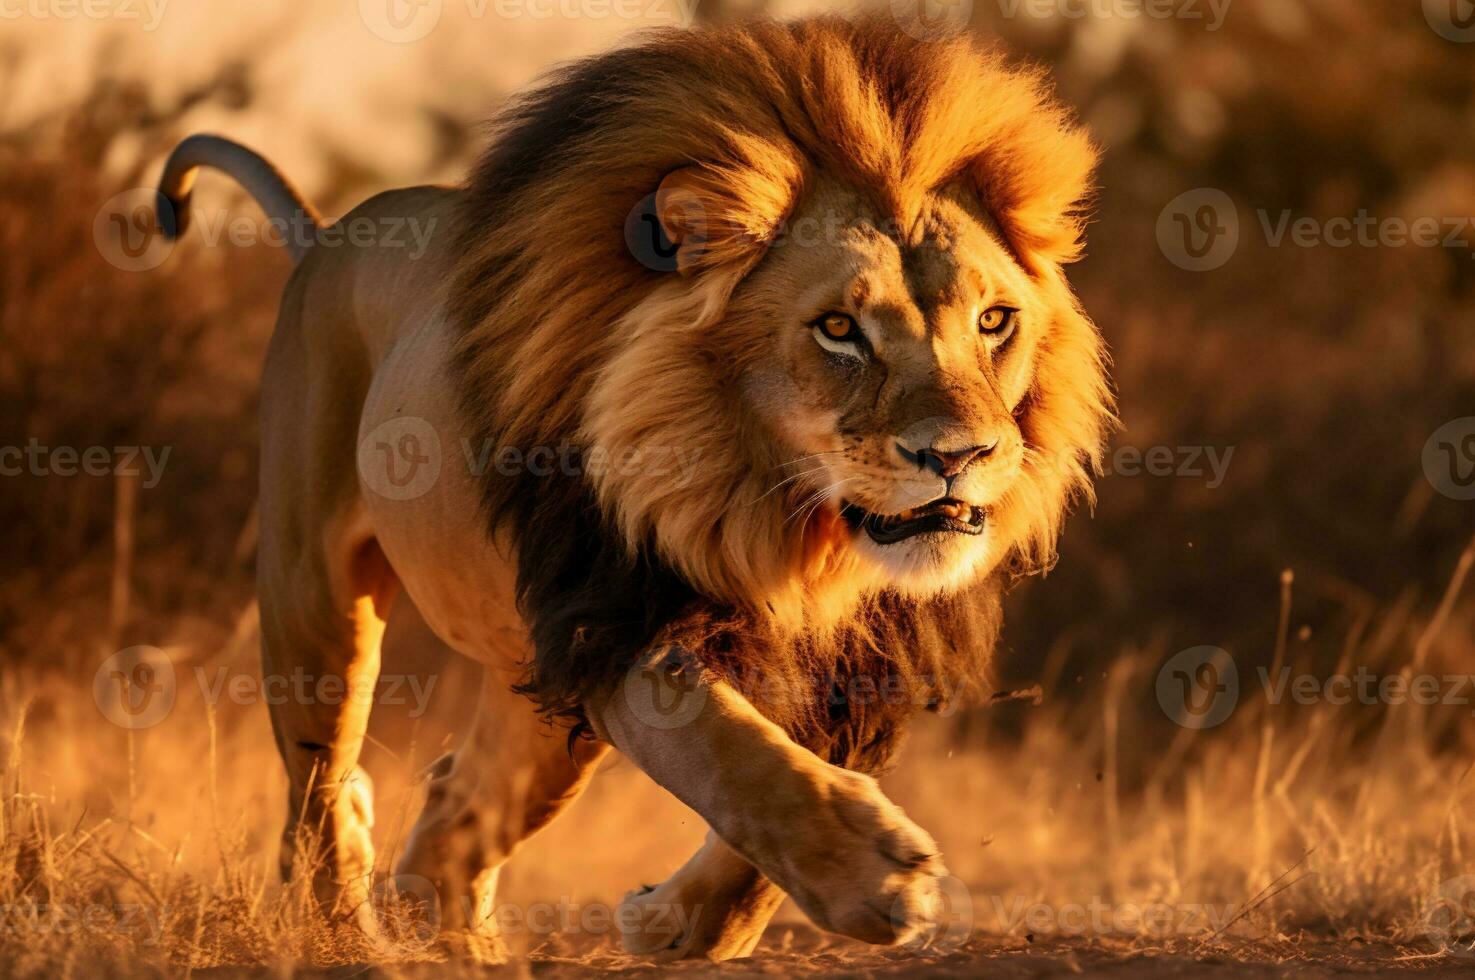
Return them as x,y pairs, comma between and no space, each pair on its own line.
827,452
802,505
817,469
817,499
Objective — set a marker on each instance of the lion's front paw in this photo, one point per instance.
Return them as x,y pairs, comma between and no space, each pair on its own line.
649,925
858,866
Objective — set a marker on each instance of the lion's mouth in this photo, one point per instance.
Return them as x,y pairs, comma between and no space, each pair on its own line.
942,516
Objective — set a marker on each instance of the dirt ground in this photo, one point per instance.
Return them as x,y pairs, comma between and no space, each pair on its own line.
798,950
802,951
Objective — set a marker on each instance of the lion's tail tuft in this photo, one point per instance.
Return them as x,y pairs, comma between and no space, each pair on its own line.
276,195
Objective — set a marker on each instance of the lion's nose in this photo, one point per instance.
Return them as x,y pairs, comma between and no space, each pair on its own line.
946,463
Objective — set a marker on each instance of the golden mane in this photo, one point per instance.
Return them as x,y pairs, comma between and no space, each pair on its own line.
569,340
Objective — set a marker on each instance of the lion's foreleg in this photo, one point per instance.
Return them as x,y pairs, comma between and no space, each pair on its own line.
827,836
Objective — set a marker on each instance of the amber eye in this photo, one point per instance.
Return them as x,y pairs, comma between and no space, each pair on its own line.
838,326
997,321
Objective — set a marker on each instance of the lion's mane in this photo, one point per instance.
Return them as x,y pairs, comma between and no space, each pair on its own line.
569,341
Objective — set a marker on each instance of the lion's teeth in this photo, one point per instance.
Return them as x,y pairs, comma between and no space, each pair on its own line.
956,510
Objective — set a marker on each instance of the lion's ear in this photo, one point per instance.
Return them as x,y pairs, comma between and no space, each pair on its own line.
714,214
683,215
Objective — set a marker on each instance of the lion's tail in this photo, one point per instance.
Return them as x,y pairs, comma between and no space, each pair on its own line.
276,195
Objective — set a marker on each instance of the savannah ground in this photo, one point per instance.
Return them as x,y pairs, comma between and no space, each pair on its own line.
1283,412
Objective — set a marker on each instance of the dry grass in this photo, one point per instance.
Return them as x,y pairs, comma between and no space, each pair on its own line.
1352,817
154,850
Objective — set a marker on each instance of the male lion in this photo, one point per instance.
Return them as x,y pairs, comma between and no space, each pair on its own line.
772,325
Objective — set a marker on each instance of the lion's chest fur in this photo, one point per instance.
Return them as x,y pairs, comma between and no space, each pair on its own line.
844,690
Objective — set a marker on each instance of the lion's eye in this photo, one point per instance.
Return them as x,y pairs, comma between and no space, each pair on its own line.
838,326
997,322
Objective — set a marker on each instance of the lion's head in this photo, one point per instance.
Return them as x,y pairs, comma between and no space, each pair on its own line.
863,345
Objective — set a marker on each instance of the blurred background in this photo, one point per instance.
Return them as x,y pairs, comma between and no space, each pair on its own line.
1289,400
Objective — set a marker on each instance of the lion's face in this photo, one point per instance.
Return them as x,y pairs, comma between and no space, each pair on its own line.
892,365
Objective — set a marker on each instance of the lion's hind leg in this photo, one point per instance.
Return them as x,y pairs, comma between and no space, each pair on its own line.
514,773
716,906
320,640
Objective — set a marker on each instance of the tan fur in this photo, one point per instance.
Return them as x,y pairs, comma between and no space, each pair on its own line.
953,181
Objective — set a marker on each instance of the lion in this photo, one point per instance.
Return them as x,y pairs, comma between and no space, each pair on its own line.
767,333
